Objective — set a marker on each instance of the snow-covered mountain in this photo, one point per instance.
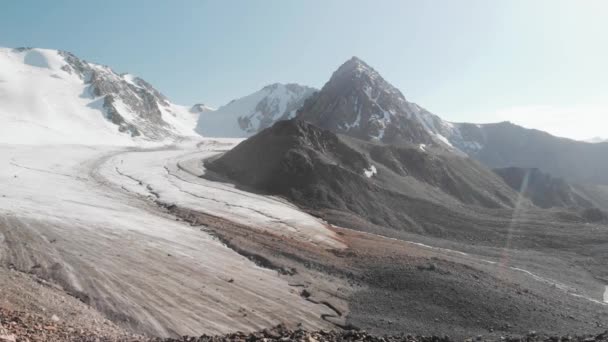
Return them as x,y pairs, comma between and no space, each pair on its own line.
357,101
250,114
50,96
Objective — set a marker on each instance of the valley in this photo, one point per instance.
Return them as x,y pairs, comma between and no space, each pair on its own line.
125,216
140,237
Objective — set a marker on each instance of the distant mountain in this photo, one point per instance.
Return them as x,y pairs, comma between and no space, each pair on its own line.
543,189
505,144
358,102
250,114
49,96
395,186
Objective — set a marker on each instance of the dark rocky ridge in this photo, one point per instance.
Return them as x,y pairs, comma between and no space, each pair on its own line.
320,170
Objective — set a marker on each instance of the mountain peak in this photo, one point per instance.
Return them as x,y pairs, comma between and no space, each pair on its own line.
355,65
357,101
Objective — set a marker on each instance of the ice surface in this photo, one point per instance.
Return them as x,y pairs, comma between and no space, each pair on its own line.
117,247
174,176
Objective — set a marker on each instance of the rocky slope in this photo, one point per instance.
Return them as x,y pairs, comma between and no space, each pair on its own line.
318,169
53,96
250,114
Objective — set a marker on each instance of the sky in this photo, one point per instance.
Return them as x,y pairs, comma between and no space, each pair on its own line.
538,63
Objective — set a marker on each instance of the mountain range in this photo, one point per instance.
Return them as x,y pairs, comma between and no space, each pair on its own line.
49,96
358,147
358,102
344,207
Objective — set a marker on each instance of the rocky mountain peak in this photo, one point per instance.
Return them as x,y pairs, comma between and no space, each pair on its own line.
354,64
357,101
357,71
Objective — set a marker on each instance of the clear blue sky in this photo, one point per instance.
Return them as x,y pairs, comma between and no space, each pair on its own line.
539,63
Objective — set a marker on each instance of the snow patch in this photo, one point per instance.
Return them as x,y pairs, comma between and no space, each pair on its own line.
130,78
443,139
370,172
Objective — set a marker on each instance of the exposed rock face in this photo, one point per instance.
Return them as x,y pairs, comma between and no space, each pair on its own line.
358,102
250,114
125,96
544,190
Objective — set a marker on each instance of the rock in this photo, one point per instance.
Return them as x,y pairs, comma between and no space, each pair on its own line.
54,318
8,338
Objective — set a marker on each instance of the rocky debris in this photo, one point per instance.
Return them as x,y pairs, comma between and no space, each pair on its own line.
16,326
21,327
281,333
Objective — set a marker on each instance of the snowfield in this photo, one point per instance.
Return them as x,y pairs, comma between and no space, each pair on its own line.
79,216
43,104
173,177
44,100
